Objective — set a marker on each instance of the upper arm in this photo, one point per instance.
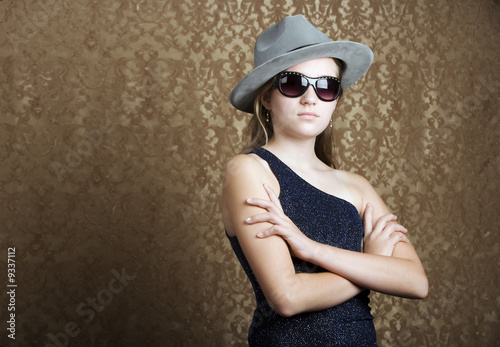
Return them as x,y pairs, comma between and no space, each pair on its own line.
269,258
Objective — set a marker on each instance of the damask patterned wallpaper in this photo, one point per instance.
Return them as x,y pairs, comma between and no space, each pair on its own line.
115,124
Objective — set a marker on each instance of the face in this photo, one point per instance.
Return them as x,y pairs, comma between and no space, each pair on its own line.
306,115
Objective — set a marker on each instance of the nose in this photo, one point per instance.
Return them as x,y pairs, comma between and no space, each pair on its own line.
309,97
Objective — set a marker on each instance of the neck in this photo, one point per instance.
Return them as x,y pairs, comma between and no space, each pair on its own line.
294,153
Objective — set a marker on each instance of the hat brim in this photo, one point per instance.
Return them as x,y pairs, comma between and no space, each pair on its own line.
357,59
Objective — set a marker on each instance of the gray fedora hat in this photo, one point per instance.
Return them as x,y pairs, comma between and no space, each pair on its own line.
291,41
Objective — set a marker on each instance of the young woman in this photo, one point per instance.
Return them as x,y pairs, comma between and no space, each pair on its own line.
313,240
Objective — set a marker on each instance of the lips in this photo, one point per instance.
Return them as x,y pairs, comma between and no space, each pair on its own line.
308,115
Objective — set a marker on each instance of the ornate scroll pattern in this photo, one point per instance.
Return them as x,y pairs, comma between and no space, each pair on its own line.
115,126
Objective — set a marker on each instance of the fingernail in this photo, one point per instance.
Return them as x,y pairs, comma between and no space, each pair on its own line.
261,234
248,220
249,200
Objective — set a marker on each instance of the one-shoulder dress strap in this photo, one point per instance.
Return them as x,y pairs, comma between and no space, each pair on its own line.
284,174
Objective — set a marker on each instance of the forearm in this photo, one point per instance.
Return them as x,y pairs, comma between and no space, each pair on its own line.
400,275
304,292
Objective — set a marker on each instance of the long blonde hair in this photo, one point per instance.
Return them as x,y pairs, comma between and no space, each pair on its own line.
260,128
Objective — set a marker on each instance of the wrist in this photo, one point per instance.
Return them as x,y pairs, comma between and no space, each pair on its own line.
317,254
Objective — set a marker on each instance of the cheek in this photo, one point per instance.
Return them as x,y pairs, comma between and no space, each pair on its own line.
333,106
280,104
328,108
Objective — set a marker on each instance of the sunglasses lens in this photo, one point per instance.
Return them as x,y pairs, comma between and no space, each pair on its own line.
328,88
293,85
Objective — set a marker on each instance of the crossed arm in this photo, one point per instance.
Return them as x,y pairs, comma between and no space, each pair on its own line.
389,263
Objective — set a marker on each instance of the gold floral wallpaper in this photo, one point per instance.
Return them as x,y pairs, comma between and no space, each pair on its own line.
115,125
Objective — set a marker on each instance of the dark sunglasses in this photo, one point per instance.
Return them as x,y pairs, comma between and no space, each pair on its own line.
293,84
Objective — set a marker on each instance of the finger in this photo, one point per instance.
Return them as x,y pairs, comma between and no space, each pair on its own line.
400,228
387,218
274,230
399,237
393,227
382,222
266,204
264,217
272,195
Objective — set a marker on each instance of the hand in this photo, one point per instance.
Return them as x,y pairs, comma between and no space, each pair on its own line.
382,238
301,245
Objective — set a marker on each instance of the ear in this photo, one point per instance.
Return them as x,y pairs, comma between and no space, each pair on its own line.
265,99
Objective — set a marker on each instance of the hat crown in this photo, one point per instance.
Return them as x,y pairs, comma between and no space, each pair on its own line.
285,36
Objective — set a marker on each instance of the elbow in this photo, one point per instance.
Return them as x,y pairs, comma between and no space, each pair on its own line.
284,305
284,312
424,288
421,288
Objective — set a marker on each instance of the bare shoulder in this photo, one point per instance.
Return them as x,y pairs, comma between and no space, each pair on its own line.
241,162
352,179
244,177
365,193
356,188
245,168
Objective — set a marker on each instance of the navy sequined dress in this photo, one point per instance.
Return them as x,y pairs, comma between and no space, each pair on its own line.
329,220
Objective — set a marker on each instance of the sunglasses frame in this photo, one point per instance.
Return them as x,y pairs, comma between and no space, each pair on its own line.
310,81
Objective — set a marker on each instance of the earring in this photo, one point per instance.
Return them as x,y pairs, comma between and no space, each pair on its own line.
331,122
267,116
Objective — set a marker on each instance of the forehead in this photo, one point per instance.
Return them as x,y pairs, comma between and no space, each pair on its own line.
317,67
